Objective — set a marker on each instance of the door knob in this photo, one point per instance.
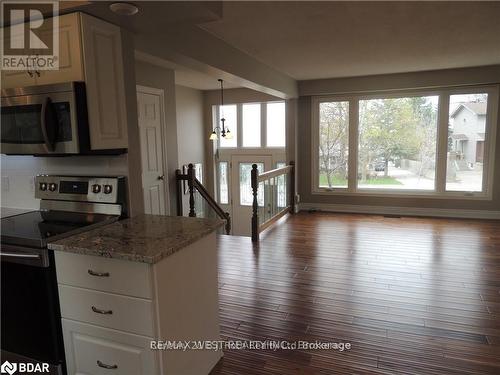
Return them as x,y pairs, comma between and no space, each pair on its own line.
162,177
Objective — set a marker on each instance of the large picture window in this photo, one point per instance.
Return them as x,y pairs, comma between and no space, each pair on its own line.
397,143
333,144
466,138
437,143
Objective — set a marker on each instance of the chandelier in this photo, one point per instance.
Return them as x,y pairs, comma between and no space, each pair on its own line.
223,129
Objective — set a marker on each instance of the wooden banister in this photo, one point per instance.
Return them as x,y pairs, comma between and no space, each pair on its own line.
256,178
195,185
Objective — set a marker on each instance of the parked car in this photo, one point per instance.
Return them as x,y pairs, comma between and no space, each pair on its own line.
379,165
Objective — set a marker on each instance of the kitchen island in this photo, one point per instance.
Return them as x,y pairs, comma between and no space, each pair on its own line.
128,286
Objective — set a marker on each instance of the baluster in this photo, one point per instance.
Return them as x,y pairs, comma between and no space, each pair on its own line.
228,223
255,205
178,186
292,187
191,177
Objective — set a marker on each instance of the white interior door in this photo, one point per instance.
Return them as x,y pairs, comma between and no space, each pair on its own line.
149,102
241,187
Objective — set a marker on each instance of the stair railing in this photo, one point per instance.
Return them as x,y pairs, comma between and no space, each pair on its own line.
194,185
273,196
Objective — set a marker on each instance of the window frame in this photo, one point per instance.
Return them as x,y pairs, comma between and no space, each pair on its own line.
439,190
239,126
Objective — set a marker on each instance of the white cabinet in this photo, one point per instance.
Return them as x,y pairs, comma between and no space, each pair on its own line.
70,53
90,50
104,320
134,315
102,48
93,350
70,57
105,274
17,78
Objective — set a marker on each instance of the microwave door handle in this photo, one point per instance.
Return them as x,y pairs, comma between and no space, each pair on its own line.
49,125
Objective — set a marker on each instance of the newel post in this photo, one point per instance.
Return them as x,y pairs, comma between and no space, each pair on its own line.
191,177
228,223
255,204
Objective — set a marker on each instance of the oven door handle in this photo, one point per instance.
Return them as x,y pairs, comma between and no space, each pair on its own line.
25,256
49,124
19,255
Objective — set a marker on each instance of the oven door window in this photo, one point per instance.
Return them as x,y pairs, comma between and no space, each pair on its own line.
21,124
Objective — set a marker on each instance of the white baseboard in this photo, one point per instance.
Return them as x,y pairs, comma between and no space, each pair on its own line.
401,211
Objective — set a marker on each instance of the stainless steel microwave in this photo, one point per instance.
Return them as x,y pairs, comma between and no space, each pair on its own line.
46,120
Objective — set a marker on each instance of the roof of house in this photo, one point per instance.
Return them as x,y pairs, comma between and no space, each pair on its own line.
477,108
459,137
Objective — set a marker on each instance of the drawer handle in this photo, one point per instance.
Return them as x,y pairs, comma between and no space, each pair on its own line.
100,311
99,274
109,367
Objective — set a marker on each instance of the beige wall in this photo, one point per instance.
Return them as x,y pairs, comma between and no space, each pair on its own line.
161,78
190,130
190,127
135,194
470,76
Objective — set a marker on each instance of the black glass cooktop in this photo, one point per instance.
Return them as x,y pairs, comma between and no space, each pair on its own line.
34,228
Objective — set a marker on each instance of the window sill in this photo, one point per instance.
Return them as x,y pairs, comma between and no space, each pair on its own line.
403,194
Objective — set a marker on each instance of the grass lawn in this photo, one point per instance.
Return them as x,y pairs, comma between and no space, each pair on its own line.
339,181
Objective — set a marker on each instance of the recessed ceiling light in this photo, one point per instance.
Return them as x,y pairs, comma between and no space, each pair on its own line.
124,9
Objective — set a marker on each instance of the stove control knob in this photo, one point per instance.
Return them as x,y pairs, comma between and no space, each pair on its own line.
52,187
96,189
43,186
108,189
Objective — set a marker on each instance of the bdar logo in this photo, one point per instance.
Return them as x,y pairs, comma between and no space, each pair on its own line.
8,368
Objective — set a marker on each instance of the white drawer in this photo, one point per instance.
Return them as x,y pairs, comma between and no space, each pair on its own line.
105,274
128,314
87,346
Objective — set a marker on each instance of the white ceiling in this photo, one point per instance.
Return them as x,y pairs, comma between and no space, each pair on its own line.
312,40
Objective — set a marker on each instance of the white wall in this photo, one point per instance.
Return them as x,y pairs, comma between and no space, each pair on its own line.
18,172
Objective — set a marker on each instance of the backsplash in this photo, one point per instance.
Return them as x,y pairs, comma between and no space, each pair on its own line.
18,172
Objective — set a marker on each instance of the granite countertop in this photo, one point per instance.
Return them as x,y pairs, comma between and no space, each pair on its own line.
143,238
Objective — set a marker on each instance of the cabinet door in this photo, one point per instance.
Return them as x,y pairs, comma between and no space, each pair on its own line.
103,68
70,53
92,350
17,78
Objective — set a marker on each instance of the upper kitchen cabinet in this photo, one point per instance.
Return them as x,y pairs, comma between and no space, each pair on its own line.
17,78
102,49
70,53
71,61
90,50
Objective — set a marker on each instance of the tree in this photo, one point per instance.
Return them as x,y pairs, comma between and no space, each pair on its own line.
333,140
395,129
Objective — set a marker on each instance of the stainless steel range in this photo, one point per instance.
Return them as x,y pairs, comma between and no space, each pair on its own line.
31,328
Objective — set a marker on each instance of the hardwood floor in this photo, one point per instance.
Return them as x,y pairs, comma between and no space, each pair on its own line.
411,295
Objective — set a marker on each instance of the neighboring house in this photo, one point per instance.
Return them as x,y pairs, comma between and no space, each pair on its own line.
467,138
